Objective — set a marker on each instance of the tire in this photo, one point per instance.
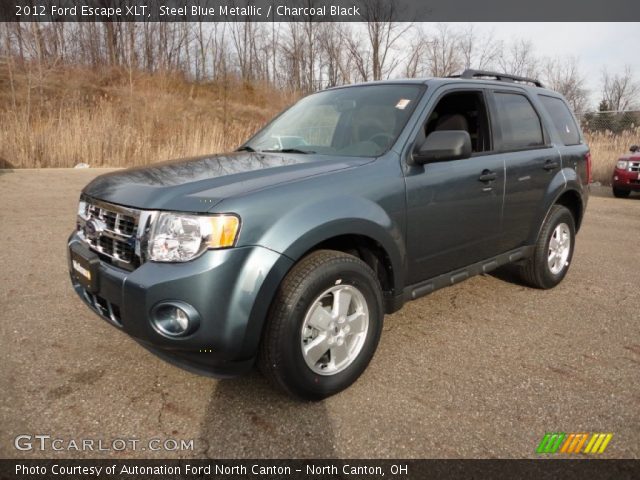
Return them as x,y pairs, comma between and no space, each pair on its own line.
542,270
619,193
303,317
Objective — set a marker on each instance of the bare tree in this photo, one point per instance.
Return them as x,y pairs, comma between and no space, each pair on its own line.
414,65
443,52
621,91
311,40
384,33
292,55
334,59
360,57
273,49
518,58
303,56
203,39
563,75
478,51
245,36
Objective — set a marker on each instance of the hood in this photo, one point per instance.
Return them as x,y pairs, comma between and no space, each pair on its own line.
198,184
630,156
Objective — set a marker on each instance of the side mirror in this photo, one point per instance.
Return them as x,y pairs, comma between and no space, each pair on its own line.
443,145
634,148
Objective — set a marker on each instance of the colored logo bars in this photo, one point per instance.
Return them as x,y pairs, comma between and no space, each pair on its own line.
593,443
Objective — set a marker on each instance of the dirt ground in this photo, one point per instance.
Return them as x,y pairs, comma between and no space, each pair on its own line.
481,369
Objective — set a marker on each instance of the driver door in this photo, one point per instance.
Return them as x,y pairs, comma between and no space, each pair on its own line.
454,208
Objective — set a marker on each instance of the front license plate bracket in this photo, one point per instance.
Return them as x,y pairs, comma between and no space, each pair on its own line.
84,267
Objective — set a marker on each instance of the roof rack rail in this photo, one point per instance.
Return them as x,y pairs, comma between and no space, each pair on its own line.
503,77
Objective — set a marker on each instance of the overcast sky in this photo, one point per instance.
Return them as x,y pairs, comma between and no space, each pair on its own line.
595,44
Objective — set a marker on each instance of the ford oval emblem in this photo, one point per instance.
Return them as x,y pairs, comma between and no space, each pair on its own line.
94,228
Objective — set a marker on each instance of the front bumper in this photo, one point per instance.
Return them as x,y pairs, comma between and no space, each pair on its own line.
230,289
626,180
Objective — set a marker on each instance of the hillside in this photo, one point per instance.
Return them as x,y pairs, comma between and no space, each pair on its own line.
60,117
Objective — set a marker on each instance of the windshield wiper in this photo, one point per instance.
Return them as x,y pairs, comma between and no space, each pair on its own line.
288,150
246,148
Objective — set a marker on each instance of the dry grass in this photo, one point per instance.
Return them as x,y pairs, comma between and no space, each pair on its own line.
606,149
68,116
64,116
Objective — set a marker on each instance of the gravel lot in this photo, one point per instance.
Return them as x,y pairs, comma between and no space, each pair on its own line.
481,369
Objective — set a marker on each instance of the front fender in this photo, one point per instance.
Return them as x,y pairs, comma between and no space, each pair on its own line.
308,225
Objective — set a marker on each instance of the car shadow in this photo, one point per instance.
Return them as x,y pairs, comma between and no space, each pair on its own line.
247,417
634,196
508,273
605,191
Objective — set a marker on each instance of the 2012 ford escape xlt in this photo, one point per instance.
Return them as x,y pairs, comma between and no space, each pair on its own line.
288,252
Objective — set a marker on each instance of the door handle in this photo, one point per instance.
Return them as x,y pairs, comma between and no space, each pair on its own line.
487,176
550,165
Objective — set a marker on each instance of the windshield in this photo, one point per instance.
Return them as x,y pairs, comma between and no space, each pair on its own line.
359,121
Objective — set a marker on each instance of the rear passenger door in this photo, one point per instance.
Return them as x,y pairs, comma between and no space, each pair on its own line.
530,162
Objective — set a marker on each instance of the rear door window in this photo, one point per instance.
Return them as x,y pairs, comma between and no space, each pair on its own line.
562,119
519,122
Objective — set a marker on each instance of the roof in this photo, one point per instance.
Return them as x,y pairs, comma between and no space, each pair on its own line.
482,77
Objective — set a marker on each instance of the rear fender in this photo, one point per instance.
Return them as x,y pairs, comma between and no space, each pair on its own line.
564,181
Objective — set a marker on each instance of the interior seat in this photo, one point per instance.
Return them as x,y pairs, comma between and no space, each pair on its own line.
452,121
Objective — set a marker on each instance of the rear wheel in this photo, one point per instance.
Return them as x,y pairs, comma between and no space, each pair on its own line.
324,325
620,193
553,251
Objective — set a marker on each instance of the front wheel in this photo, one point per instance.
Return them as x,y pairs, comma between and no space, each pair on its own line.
324,325
553,251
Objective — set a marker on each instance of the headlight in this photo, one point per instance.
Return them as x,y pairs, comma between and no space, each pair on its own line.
82,208
180,238
622,164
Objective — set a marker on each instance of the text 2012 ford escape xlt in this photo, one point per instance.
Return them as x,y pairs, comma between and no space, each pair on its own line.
288,252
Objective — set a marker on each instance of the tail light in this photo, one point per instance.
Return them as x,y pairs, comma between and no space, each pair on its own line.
587,157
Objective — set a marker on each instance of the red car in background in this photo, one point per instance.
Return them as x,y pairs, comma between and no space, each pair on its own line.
626,175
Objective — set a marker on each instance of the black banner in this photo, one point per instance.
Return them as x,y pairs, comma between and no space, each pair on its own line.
319,469
318,10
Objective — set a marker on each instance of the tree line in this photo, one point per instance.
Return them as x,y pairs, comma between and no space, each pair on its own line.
306,56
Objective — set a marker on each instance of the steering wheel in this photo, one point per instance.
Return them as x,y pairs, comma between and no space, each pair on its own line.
381,139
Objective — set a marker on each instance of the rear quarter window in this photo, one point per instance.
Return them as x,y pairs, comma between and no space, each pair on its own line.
562,119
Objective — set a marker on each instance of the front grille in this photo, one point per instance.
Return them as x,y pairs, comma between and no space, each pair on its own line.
116,222
110,231
103,307
118,249
634,166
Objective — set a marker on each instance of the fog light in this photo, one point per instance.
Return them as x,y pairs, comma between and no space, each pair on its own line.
615,177
175,319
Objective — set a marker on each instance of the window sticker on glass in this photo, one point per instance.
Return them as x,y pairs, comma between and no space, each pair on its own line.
402,103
